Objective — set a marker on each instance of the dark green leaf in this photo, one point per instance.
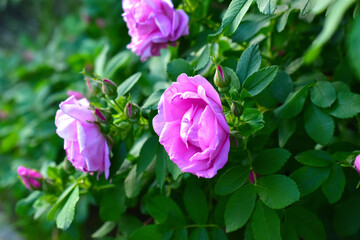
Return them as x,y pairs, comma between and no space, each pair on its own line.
148,232
153,100
133,183
334,186
266,6
234,15
104,230
293,104
251,121
232,180
24,206
288,231
203,59
319,125
353,46
239,208
259,80
173,168
177,67
67,213
199,234
160,168
346,219
128,224
323,94
60,200
270,160
180,234
287,128
112,203
347,105
147,154
235,83
249,63
280,26
315,158
308,179
126,86
265,223
281,87
217,234
277,191
195,203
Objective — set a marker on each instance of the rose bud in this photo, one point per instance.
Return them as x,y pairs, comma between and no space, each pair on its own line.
93,86
222,79
236,109
252,176
132,112
357,164
109,88
76,94
99,115
30,178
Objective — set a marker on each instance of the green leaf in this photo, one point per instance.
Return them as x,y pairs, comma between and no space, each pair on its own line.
265,223
203,59
112,203
148,232
240,207
234,15
346,219
173,168
153,100
128,224
332,21
293,104
100,61
24,207
287,128
323,94
235,83
116,62
195,203
165,210
126,86
347,105
281,87
288,231
333,187
277,191
270,160
147,154
353,46
259,80
217,234
59,201
308,179
308,6
132,183
106,228
315,158
306,224
160,167
318,124
250,121
249,63
177,67
180,234
67,213
199,234
266,6
232,180
280,26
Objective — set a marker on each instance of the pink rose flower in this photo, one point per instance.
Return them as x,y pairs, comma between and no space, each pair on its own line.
357,164
192,126
85,145
76,94
152,24
29,177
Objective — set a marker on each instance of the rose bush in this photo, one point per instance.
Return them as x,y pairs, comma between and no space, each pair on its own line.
86,147
192,126
152,24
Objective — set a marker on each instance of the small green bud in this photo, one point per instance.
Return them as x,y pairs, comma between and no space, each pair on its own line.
222,79
237,109
93,86
132,112
109,88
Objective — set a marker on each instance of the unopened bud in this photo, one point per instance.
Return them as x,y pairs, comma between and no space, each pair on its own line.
236,109
222,79
132,112
357,164
99,115
109,88
93,86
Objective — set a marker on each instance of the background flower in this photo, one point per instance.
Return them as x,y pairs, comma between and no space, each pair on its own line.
152,24
192,126
29,177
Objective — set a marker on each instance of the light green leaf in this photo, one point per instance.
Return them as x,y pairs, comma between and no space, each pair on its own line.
116,62
265,223
293,104
259,80
249,63
106,228
101,60
240,207
59,201
67,213
308,179
270,160
308,6
334,186
177,67
315,158
153,100
195,203
347,105
126,86
266,6
232,180
235,83
133,183
323,94
277,191
280,26
319,125
251,121
234,15
203,59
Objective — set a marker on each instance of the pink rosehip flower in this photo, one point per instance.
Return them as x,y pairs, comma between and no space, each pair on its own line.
357,164
85,145
76,94
29,177
192,126
152,24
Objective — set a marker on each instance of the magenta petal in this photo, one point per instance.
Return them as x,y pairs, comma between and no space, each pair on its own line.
77,109
163,24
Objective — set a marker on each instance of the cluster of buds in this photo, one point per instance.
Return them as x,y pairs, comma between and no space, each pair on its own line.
97,84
